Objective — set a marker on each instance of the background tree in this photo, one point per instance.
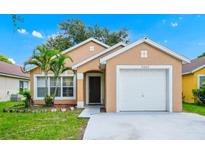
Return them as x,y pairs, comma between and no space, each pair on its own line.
202,55
58,42
58,67
75,31
16,20
5,59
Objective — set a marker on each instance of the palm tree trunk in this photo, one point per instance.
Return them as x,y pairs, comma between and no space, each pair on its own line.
46,80
54,96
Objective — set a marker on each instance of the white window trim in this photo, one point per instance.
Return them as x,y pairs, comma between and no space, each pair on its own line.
170,78
57,98
143,53
102,86
92,48
198,80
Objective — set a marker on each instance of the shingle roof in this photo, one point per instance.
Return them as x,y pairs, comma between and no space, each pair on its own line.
194,65
12,70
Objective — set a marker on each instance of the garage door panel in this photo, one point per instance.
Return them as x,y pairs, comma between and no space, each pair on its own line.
142,90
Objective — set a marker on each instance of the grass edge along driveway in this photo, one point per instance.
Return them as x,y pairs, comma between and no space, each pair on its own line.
194,108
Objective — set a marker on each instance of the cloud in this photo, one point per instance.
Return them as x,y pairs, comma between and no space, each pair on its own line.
22,31
12,60
37,34
174,24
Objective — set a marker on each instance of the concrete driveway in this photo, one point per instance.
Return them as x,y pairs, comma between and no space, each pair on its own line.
140,126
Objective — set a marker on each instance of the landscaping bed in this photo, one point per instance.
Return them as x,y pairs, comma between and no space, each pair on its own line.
20,107
40,125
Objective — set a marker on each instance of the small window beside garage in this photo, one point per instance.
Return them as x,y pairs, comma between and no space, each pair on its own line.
144,53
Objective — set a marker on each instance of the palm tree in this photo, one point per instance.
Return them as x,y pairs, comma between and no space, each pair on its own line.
58,67
42,58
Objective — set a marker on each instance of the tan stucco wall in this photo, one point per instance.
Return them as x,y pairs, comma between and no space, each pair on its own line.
87,67
79,54
132,57
94,64
8,86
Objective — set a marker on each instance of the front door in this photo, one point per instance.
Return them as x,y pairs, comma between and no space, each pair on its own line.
94,90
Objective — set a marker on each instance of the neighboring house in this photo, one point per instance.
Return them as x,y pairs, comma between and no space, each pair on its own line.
193,77
142,76
12,80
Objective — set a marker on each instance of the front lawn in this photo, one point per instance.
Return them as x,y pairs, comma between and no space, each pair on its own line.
194,108
40,126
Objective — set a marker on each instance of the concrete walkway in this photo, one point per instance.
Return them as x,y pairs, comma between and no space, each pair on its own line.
174,126
89,111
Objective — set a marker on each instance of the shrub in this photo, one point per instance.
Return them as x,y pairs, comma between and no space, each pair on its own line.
49,101
28,99
199,96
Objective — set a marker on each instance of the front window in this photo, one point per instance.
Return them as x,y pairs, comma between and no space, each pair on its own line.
53,84
41,87
65,86
201,81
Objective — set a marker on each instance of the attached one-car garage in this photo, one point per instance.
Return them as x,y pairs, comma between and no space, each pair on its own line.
144,88
143,76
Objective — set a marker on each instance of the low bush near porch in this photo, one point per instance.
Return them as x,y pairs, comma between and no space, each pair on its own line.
43,125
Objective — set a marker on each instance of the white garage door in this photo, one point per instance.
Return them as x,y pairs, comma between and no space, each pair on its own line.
142,90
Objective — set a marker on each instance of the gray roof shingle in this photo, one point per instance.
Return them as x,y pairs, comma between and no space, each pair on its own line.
195,63
12,69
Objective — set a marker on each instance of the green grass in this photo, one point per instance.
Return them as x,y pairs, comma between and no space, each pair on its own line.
40,126
194,108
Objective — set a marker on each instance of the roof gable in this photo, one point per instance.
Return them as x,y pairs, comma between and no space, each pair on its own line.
148,41
98,55
84,42
79,45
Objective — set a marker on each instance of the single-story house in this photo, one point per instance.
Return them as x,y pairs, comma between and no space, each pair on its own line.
193,77
12,80
141,76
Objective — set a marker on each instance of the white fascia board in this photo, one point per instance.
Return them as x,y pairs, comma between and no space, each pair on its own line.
99,54
84,42
14,76
148,41
168,51
78,45
196,69
186,73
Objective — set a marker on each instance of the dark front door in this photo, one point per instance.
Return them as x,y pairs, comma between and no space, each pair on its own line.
94,89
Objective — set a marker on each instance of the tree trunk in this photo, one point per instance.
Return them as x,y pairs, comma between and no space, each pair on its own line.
46,80
54,96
